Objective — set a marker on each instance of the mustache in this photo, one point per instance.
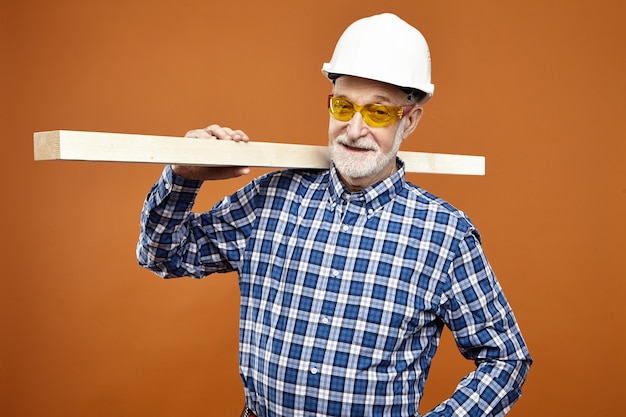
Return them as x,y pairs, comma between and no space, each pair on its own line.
360,143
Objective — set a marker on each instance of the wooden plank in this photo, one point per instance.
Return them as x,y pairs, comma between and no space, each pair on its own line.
71,145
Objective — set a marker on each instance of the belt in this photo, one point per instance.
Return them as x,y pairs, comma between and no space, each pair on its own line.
247,412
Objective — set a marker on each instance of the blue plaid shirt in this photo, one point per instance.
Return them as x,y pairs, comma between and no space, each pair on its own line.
344,295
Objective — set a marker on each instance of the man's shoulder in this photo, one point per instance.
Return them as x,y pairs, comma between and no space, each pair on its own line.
440,210
287,178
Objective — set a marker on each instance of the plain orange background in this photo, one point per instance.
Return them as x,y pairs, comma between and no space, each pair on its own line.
538,87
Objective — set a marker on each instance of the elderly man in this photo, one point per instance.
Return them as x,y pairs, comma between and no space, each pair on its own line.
347,275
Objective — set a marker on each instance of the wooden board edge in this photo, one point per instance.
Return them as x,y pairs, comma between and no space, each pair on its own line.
47,145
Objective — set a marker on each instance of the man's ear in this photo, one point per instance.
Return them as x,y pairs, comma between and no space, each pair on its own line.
413,119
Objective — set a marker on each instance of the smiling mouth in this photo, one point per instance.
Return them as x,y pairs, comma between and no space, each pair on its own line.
356,149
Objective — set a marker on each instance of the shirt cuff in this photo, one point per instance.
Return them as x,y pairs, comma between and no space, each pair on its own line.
179,182
173,189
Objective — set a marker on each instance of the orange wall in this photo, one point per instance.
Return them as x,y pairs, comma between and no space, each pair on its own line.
536,86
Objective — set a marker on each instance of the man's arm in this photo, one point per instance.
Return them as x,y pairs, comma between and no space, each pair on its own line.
173,241
485,330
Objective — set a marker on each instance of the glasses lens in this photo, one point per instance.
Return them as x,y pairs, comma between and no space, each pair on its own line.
376,115
341,109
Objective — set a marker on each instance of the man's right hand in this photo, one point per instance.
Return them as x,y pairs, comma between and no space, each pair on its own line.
213,132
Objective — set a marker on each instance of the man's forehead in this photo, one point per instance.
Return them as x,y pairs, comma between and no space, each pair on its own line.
350,86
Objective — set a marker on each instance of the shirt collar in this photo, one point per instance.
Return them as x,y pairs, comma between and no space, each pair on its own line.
375,195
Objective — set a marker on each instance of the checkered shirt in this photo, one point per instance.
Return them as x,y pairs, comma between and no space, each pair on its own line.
344,295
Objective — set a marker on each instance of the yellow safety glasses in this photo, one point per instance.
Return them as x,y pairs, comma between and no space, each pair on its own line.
375,115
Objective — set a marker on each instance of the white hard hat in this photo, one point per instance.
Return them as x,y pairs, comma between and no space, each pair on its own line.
383,48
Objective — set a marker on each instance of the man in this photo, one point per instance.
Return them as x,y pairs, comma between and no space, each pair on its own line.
347,275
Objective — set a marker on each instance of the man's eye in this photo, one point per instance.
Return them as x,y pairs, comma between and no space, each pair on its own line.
379,111
342,104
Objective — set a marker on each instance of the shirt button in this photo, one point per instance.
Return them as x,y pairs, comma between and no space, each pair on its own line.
325,320
335,273
346,227
314,371
167,186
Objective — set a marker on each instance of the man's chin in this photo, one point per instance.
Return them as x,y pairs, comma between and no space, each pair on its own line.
350,170
353,164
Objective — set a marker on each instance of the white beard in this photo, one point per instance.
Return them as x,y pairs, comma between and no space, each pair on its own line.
367,163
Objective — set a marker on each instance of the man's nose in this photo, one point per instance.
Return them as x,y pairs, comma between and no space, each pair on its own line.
356,126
